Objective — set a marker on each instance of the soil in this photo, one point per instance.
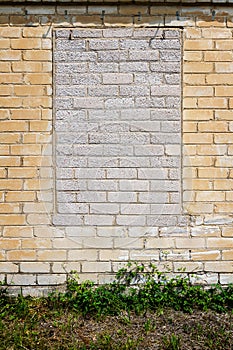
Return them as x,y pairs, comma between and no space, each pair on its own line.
167,329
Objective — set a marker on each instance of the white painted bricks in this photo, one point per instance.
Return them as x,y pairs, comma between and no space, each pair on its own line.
117,127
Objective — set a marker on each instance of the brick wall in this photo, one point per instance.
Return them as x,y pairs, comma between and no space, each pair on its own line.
36,252
117,125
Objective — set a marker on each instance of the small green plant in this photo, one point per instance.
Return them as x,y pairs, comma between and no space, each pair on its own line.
149,325
141,288
172,342
139,292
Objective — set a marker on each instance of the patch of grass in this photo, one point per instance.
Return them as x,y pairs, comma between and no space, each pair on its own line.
142,309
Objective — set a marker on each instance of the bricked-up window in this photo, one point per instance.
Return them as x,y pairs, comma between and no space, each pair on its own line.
117,126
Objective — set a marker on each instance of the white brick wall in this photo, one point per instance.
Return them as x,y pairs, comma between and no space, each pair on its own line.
118,132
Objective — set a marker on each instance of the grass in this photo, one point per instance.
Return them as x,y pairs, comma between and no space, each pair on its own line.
141,309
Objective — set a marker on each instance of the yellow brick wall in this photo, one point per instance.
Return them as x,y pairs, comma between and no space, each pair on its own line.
35,255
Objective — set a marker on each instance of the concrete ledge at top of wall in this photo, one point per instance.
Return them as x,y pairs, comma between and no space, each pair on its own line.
135,2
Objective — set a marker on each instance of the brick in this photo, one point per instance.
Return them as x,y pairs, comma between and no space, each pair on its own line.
9,267
160,243
225,138
119,78
193,56
211,149
38,78
189,127
124,243
229,196
37,55
207,21
4,150
201,44
212,173
116,254
25,43
81,231
216,33
205,255
224,207
17,231
28,90
25,149
13,126
188,266
38,219
8,78
219,79
19,196
224,45
214,126
198,91
143,255
84,254
227,254
40,126
231,102
5,90
128,220
10,101
192,138
220,266
8,244
199,114
222,56
210,196
219,243
51,255
226,278
8,184
99,219
194,79
4,43
22,172
37,102
224,67
3,173
36,161
199,161
98,242
199,208
36,32
118,20
9,208
34,267
5,67
189,243
65,267
227,232
28,243
26,67
103,208
9,138
10,32
54,279
224,91
96,266
197,67
216,102
20,255
198,184
10,55
190,102
132,9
